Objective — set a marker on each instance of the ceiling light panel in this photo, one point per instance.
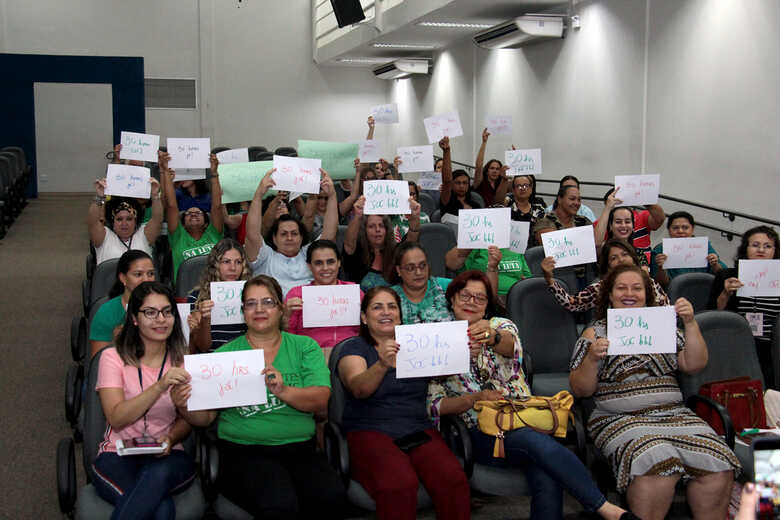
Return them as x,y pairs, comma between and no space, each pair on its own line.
402,46
455,25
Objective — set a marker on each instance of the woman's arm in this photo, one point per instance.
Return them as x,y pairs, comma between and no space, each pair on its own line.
311,399
154,226
657,216
693,358
330,221
480,160
661,276
446,171
345,206
178,432
413,235
254,238
308,212
584,379
450,405
362,380
95,226
169,192
370,134
353,229
455,258
502,189
600,229
217,214
494,258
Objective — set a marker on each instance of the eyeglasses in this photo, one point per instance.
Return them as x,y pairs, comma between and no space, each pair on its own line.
522,186
410,268
152,313
192,213
465,297
265,303
757,245
227,262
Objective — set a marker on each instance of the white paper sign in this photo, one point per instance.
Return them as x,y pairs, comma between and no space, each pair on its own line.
646,330
297,174
760,278
227,302
524,162
518,240
236,155
415,158
637,190
184,311
481,228
499,125
432,349
331,305
128,181
189,153
685,252
442,125
140,147
570,246
385,114
226,379
429,181
386,198
368,151
189,174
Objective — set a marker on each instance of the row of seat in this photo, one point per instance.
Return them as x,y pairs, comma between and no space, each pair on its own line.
14,177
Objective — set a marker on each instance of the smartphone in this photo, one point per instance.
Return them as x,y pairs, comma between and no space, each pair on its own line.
411,441
766,471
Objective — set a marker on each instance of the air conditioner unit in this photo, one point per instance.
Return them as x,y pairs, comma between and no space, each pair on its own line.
401,69
521,31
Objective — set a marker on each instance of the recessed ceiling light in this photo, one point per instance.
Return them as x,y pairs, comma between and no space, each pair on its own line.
402,46
456,25
364,60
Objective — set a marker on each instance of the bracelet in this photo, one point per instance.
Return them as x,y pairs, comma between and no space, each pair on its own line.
100,200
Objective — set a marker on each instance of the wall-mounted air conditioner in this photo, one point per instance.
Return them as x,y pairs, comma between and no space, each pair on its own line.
401,69
521,31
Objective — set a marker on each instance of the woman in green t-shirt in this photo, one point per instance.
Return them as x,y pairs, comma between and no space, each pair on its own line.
268,462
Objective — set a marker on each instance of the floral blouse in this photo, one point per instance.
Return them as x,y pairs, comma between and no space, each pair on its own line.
489,368
586,298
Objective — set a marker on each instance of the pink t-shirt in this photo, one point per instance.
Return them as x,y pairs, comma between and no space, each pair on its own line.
326,337
113,373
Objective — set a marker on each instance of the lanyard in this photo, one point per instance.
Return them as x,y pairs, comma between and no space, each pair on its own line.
141,381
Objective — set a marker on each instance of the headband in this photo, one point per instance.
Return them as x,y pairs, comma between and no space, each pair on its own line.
124,206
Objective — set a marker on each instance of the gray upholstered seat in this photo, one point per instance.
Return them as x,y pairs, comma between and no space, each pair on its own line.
436,239
694,287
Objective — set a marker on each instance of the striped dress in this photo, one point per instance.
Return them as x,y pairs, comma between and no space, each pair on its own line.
640,422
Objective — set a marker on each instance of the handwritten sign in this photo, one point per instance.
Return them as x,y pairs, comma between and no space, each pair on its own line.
570,246
369,151
227,302
637,190
760,278
518,239
524,162
141,147
128,181
189,153
481,228
190,174
685,252
331,305
429,181
226,379
296,174
415,159
236,155
385,114
184,311
338,159
239,181
442,125
386,198
432,349
499,125
646,330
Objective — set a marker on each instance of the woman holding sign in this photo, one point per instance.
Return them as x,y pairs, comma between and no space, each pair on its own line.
758,243
324,261
489,178
422,295
268,461
392,443
497,373
123,230
226,263
455,186
133,382
640,422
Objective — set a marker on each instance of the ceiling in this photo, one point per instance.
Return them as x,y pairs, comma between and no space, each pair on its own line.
400,25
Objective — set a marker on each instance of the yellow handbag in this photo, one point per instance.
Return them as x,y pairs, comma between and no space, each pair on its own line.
542,414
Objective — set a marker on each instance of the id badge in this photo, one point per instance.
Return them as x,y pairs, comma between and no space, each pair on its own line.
756,322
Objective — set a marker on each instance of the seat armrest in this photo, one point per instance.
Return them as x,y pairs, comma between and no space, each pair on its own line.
456,435
337,451
208,457
66,475
725,418
578,425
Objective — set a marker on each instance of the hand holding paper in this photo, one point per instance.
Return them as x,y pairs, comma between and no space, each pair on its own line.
226,379
386,198
644,330
570,246
141,147
638,190
297,174
432,349
128,181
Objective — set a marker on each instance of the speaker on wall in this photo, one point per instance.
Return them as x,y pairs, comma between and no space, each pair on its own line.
347,11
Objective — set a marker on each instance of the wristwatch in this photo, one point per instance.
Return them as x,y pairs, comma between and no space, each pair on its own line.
497,338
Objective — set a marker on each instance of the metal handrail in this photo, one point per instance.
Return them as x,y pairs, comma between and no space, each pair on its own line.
727,213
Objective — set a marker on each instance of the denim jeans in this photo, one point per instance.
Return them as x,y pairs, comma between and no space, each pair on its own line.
140,486
549,467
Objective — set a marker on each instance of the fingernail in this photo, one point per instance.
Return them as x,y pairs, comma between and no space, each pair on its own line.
749,487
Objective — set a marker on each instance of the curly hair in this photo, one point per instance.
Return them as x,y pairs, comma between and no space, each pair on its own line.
211,273
768,231
608,283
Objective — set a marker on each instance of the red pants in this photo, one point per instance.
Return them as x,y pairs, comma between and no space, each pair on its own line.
390,476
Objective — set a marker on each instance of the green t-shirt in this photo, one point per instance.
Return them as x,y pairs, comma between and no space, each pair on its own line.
302,364
183,246
511,268
108,316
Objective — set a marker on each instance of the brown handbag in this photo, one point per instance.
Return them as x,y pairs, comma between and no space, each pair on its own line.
742,397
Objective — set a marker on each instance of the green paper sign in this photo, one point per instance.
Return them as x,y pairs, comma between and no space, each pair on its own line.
338,159
239,181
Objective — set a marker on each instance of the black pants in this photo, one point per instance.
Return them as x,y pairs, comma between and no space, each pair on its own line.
287,481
